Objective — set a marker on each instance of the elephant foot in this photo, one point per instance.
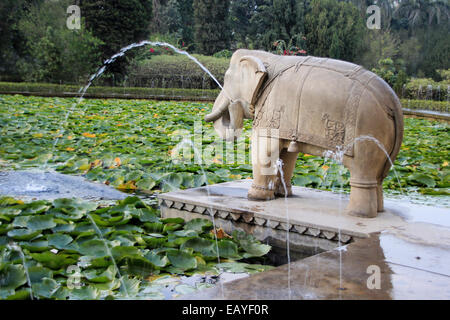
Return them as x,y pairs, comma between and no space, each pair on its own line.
380,198
280,192
260,193
363,202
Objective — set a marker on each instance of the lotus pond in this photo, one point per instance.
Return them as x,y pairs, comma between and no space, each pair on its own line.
129,144
129,252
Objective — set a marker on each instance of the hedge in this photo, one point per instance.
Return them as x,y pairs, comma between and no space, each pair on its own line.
165,71
162,93
427,89
440,106
107,92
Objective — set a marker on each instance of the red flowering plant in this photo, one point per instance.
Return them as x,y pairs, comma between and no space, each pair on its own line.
281,48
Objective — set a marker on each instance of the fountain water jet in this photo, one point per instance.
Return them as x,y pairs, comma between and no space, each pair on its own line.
16,247
280,164
111,60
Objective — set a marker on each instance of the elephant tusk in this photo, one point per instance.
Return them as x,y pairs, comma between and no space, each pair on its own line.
213,116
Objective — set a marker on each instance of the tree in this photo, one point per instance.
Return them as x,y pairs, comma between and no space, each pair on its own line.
380,45
241,13
334,29
420,13
275,20
212,32
12,43
53,52
117,23
186,10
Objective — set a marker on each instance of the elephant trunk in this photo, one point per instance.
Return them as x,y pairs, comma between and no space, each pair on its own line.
222,103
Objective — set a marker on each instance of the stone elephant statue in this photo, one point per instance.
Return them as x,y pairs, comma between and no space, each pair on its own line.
311,105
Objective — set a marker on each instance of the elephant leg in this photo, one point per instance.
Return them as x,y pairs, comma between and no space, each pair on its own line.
363,197
265,153
380,199
289,161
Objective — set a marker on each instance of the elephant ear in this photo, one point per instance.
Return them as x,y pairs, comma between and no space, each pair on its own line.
253,73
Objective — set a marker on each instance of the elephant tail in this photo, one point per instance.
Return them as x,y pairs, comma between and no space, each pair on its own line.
398,124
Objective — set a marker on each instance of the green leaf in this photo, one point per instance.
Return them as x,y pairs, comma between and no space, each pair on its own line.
228,249
254,249
146,184
46,288
35,246
122,252
198,225
94,248
41,223
173,220
157,259
239,267
84,293
8,201
301,181
38,273
154,227
21,221
23,234
20,295
59,241
101,276
12,277
54,261
181,259
35,207
10,211
422,179
206,247
129,286
139,266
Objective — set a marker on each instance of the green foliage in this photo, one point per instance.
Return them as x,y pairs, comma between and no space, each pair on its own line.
12,43
420,13
333,29
389,72
241,13
211,29
109,92
435,51
444,74
54,53
176,71
145,266
441,106
117,23
275,20
420,89
381,45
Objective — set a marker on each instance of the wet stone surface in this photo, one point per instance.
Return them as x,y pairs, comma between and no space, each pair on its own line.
51,185
404,253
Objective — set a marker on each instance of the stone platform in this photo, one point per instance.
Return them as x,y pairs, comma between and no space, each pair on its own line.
313,217
408,245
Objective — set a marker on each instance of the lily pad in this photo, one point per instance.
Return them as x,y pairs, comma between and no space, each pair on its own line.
181,259
12,277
